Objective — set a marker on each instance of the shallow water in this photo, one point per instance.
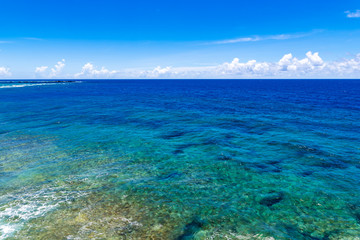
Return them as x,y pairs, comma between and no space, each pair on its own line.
271,159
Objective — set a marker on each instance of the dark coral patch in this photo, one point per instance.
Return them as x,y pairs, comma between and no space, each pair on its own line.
272,199
178,151
171,175
191,228
172,135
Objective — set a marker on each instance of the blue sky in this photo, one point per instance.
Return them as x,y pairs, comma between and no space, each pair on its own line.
131,39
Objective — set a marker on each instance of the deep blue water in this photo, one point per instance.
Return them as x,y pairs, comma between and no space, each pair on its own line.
206,159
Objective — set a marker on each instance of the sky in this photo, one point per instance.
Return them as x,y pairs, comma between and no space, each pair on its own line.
108,39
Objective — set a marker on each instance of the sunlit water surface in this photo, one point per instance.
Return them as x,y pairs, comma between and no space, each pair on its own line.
180,160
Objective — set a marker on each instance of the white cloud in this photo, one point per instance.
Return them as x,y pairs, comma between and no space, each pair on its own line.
158,72
286,66
45,72
237,67
285,62
5,72
89,71
42,72
311,63
57,69
355,14
346,67
315,59
41,69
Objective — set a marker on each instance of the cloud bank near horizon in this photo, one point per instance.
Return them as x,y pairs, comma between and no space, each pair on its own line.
289,66
312,66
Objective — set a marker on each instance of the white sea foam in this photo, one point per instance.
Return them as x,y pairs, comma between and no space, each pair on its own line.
231,235
23,207
6,230
25,85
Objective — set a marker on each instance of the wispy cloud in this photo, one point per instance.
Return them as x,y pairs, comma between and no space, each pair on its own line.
33,39
23,38
355,14
264,38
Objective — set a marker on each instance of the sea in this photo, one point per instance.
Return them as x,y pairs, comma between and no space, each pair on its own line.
180,159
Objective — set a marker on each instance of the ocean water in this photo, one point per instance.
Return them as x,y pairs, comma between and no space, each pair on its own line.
220,159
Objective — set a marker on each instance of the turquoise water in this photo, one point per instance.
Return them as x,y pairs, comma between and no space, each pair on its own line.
275,159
